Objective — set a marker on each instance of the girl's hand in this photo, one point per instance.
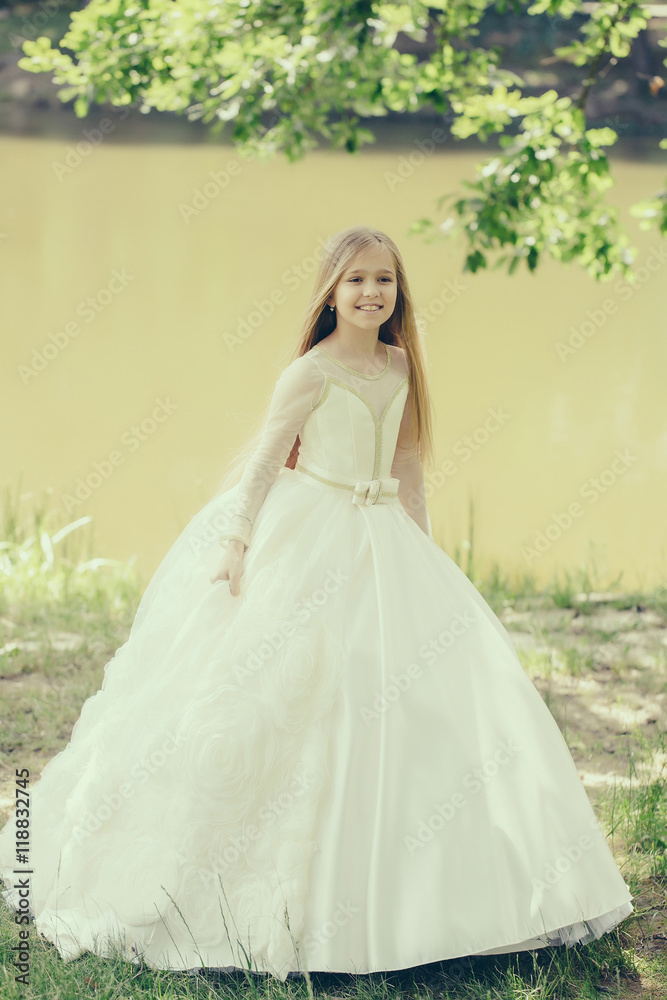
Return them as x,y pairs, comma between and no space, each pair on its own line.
231,566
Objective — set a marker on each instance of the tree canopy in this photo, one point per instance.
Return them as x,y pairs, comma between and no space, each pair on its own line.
286,76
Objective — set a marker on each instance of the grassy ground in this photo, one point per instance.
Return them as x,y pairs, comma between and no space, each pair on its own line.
598,659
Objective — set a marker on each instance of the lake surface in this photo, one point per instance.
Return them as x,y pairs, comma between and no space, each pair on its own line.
145,324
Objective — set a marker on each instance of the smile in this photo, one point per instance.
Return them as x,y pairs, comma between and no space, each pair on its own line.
369,308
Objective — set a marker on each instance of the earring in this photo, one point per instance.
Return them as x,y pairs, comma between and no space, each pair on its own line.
332,308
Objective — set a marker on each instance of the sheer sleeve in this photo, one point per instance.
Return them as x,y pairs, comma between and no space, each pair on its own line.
296,391
407,468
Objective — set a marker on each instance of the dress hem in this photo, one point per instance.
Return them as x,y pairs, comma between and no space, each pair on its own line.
587,925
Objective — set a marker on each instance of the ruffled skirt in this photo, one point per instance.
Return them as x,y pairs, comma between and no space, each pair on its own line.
345,768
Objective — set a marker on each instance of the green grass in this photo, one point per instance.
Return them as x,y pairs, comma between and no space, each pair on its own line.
66,612
566,588
638,813
543,662
49,574
63,613
547,974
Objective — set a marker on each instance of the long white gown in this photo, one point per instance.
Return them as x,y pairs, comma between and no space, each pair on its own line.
344,768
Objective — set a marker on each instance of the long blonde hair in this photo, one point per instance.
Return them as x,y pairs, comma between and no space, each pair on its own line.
399,330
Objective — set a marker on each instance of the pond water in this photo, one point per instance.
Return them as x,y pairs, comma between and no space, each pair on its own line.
153,291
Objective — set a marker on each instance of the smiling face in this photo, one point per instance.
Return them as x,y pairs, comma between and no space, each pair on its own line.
365,296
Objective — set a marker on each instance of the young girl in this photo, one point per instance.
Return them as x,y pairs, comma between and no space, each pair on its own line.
319,751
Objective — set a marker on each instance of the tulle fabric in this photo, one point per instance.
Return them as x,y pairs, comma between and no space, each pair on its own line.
336,440
289,778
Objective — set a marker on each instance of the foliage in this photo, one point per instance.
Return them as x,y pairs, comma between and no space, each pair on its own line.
287,75
544,193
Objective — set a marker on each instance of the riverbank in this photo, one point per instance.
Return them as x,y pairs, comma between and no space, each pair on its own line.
621,97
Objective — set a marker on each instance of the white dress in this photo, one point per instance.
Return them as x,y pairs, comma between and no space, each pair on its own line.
345,767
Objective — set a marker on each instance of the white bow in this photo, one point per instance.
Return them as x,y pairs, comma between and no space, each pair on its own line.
369,491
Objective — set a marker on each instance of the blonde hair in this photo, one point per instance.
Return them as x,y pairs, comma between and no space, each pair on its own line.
399,330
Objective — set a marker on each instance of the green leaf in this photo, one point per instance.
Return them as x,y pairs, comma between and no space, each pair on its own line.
474,261
601,136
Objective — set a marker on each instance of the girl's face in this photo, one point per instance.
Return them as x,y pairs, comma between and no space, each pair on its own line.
365,296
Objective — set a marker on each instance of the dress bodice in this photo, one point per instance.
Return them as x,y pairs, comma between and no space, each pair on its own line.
352,430
354,427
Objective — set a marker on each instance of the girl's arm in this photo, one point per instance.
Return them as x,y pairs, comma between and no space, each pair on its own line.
407,467
294,396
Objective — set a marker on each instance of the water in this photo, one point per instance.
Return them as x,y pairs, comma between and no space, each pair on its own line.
162,318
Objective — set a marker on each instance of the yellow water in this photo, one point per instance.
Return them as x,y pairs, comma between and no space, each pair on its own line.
169,288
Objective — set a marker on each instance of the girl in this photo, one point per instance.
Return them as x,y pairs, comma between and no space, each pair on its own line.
320,751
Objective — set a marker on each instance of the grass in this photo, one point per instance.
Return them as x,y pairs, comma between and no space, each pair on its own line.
546,974
577,589
63,613
554,659
638,812
48,572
